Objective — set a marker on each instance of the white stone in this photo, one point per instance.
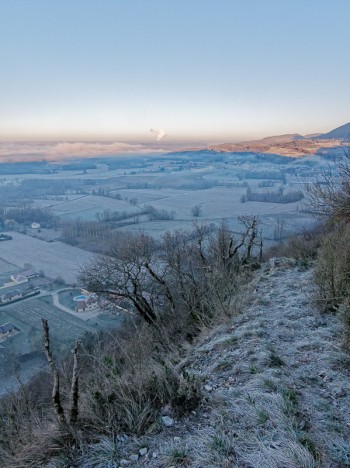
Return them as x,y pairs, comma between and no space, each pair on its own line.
143,451
338,392
167,421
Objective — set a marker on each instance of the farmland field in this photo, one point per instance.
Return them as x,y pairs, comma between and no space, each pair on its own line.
55,259
86,207
26,315
294,222
175,183
216,203
65,329
6,267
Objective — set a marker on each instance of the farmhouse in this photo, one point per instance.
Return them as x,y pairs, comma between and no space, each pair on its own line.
29,274
7,329
11,295
19,279
88,303
80,305
91,302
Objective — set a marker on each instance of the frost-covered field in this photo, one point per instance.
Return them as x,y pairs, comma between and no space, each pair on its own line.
217,202
53,258
86,206
6,267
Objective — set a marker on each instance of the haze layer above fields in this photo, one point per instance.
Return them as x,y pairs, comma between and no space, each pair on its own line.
286,145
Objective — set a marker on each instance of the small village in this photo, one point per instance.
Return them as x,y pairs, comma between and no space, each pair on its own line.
27,296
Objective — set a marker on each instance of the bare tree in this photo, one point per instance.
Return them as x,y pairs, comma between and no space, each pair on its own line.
192,273
127,271
74,392
196,211
56,393
330,195
278,232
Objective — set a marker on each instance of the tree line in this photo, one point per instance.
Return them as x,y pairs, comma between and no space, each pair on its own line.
272,196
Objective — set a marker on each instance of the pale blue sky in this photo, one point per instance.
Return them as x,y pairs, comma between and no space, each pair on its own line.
202,70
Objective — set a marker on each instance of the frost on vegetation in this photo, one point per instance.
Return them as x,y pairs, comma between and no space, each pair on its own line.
278,398
106,453
275,399
340,450
288,454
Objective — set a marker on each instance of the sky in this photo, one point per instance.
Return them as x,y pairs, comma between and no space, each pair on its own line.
154,73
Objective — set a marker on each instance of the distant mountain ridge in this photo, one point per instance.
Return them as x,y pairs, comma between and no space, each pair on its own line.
339,133
290,144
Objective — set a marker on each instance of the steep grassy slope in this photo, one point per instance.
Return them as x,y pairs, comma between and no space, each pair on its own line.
276,386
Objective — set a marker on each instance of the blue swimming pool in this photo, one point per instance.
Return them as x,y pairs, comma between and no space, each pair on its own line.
80,298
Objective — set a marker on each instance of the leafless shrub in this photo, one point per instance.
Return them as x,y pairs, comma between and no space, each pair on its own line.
329,197
196,211
18,421
303,247
194,272
332,274
345,316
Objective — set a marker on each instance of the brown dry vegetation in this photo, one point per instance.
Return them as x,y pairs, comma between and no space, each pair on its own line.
285,145
330,199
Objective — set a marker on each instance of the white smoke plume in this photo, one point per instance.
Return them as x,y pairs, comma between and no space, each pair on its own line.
159,132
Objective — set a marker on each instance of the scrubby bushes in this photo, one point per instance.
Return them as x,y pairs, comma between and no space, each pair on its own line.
192,273
129,378
273,197
160,215
330,195
126,378
330,198
332,274
302,247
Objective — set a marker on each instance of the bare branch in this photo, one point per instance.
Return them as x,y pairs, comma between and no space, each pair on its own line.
56,397
74,393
